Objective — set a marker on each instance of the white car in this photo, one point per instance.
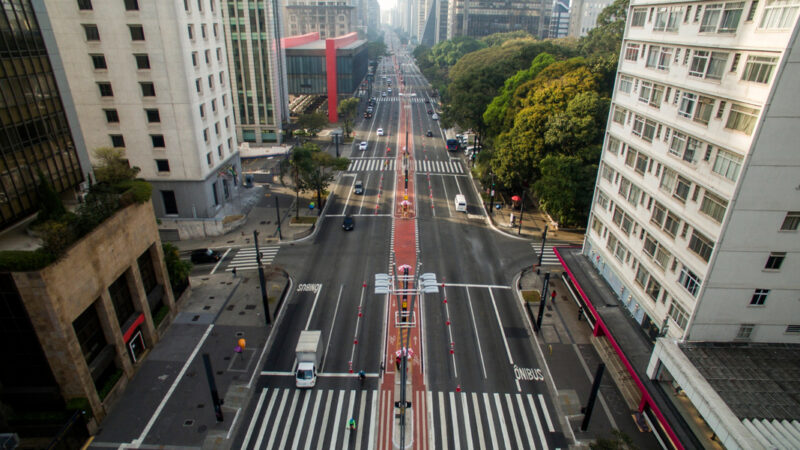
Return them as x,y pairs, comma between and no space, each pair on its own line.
435,116
380,131
362,145
383,94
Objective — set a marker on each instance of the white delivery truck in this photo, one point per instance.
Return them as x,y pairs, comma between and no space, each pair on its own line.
309,354
461,203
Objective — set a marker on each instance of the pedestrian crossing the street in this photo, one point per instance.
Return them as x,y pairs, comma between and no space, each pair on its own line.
312,419
549,257
383,164
245,258
489,420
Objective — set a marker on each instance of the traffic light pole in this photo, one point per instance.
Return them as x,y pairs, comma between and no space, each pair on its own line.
262,281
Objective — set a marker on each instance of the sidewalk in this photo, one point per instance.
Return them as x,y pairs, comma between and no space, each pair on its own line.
168,403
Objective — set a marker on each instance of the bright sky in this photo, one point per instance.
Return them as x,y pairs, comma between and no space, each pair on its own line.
387,4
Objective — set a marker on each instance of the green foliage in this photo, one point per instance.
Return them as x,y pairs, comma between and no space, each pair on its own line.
347,109
376,48
56,236
25,261
319,171
50,204
312,123
606,38
494,40
134,191
565,187
109,384
159,316
113,168
177,268
79,404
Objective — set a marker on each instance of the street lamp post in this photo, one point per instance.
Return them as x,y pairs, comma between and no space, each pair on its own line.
262,281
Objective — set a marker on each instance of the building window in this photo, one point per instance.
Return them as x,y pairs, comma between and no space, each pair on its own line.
111,115
775,260
751,13
667,18
759,69
148,89
689,281
631,52
613,145
131,5
791,221
157,140
99,62
209,159
662,257
701,245
793,329
619,115
682,188
142,61
705,107
651,93
688,101
644,128
713,206
91,32
198,85
117,141
742,118
779,14
205,135
719,18
727,164
625,84
89,333
213,105
162,165
194,59
207,55
85,5
653,288
190,30
152,115
745,331
170,203
202,110
137,32
639,17
678,314
105,89
203,31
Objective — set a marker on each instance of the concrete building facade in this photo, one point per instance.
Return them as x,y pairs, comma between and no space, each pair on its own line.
152,78
583,15
696,213
253,30
329,18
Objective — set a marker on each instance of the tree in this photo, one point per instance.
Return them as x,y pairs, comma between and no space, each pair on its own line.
565,187
50,205
113,168
177,269
298,162
320,172
376,49
496,39
348,109
312,122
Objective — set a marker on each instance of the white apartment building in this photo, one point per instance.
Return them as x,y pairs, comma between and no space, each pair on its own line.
695,218
151,77
253,31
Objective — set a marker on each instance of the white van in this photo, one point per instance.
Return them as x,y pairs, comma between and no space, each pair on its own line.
461,203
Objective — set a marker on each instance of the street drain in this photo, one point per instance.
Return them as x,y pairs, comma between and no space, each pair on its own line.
206,308
194,319
240,334
188,422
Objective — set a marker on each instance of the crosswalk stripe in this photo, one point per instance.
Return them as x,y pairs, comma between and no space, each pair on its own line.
490,419
291,414
349,416
336,419
511,417
255,416
362,405
372,420
454,420
324,423
274,431
267,415
442,421
467,427
538,422
479,424
319,396
501,417
546,414
303,409
527,425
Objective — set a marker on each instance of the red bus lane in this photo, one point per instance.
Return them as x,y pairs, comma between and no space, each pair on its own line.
404,248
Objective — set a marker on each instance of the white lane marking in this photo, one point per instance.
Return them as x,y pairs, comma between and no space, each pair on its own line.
502,420
254,419
303,410
363,194
233,423
172,388
513,421
478,421
442,420
324,423
309,436
336,418
490,419
313,307
267,415
454,420
484,286
373,411
279,415
333,325
216,266
349,193
431,438
546,414
362,405
347,418
538,422
467,427
502,331
477,336
527,425
290,415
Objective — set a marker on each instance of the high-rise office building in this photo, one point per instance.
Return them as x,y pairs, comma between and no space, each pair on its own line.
482,18
329,18
253,31
152,78
35,133
559,23
583,15
696,213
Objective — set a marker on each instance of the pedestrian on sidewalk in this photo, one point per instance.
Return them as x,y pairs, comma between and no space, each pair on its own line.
580,312
553,296
234,272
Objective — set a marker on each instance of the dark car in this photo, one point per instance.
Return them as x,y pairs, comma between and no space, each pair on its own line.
430,111
348,223
427,101
205,255
429,133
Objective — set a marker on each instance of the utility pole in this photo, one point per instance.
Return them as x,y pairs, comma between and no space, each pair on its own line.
278,214
542,302
262,281
541,252
212,386
587,411
491,204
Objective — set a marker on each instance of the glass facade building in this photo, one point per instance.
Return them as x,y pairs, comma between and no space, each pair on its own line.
34,132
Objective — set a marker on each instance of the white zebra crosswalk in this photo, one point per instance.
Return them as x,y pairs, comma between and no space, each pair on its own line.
245,258
549,255
489,420
402,98
289,418
382,164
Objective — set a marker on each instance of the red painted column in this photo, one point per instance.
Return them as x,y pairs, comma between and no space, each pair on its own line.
330,67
